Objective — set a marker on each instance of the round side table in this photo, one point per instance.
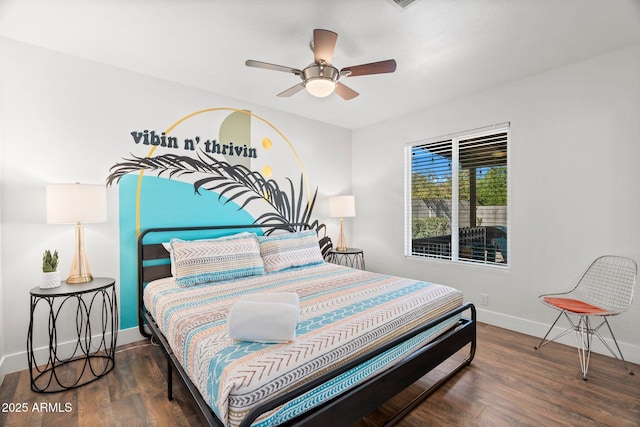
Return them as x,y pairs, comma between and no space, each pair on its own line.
350,257
96,309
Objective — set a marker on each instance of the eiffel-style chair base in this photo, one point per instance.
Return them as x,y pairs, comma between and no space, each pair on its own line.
584,336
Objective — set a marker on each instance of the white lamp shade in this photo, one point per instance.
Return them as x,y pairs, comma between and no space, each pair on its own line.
342,206
73,203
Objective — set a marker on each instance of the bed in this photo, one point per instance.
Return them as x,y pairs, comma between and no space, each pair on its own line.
360,337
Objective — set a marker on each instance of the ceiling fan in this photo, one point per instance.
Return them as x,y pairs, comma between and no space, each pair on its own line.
321,78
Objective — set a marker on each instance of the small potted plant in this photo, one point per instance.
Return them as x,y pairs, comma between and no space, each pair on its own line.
50,274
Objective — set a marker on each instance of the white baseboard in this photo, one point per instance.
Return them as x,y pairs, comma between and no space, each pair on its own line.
18,361
630,352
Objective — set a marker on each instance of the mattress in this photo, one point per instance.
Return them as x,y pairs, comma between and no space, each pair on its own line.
343,313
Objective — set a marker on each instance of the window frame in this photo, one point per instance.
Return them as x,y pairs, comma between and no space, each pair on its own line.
455,202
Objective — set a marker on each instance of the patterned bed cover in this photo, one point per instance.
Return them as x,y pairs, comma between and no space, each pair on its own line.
343,313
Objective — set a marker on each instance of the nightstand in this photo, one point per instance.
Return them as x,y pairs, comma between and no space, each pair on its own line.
96,325
350,257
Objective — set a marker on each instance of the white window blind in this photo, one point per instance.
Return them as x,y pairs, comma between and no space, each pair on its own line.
456,196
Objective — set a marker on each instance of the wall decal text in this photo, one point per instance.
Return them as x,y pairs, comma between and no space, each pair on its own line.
208,146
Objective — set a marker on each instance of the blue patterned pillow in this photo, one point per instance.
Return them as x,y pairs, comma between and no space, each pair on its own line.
167,245
205,261
287,250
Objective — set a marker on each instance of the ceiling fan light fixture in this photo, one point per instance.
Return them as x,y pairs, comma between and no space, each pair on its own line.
320,80
320,86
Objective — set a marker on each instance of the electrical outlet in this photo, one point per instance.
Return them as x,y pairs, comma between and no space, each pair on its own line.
484,299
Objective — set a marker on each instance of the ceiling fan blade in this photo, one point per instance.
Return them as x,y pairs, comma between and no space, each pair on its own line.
292,90
345,92
274,67
388,66
324,43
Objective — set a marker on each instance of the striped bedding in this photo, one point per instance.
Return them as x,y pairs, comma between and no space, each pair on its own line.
343,313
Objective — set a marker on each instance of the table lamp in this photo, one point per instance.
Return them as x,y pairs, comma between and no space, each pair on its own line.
77,204
342,207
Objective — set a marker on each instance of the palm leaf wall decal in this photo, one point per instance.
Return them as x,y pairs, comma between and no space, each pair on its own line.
233,182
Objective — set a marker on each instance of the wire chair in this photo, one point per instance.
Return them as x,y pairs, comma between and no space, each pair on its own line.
605,289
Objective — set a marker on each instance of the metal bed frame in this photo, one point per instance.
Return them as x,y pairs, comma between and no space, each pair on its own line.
354,403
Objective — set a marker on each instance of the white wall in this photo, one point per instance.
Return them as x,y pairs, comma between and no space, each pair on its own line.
64,120
575,184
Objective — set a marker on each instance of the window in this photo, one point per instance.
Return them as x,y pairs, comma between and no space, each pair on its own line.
456,196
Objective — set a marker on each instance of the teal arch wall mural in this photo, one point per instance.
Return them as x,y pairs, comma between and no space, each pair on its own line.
183,209
193,179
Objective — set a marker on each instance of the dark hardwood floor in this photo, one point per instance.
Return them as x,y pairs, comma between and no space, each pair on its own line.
508,384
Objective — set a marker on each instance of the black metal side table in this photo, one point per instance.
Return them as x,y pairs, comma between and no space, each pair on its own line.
96,323
350,257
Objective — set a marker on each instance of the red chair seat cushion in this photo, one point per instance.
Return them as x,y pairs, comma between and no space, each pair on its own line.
574,305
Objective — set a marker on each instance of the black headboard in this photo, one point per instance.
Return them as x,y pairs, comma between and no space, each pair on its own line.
153,258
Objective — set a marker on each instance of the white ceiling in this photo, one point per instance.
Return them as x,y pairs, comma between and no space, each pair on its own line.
444,48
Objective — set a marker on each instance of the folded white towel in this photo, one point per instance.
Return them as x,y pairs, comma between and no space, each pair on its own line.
264,317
